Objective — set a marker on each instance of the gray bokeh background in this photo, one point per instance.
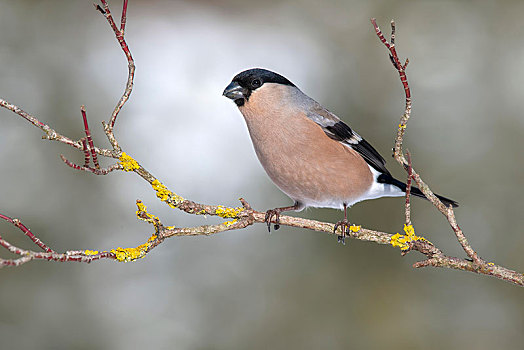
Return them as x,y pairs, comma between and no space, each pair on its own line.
248,289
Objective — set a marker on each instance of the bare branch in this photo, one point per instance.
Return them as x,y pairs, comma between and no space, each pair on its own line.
399,155
130,62
50,134
27,232
99,171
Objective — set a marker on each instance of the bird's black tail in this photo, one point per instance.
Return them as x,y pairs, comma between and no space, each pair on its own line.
388,179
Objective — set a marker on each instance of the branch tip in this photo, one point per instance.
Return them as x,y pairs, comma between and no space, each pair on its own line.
99,8
245,204
89,138
123,18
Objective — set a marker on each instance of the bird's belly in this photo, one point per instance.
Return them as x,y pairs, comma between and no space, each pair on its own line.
319,178
302,160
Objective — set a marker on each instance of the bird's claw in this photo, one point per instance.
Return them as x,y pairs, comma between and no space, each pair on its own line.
344,227
269,216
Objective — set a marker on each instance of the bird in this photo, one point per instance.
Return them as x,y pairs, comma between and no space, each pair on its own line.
308,152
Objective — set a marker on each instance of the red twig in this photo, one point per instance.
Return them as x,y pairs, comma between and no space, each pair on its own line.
89,138
107,13
123,18
394,57
89,152
27,232
131,65
96,171
87,156
99,8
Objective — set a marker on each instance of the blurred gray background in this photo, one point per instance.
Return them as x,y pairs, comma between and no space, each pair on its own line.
248,289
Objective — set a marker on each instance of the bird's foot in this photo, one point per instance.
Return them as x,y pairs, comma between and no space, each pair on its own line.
275,213
344,227
270,214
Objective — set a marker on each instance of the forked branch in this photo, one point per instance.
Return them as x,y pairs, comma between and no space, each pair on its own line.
399,154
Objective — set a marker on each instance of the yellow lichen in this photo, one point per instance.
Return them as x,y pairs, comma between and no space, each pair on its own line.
225,212
165,195
128,163
142,211
402,241
131,254
90,252
354,228
229,223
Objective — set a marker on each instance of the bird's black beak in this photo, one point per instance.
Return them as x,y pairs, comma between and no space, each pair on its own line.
235,92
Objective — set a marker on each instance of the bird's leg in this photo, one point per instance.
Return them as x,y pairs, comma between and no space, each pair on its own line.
276,214
344,226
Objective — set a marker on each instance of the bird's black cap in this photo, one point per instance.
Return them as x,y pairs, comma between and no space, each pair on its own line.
250,76
244,83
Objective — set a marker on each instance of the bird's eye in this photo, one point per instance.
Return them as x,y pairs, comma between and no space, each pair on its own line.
255,83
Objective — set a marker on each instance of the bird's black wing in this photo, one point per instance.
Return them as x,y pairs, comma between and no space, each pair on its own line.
341,132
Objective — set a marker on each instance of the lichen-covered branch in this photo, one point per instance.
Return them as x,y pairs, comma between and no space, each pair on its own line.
235,217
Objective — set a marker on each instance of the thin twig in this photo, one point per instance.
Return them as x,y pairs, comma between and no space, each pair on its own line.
51,134
99,171
399,155
27,232
123,19
130,62
408,189
89,138
87,155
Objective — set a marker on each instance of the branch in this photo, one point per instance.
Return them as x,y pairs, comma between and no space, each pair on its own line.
239,217
407,207
50,133
130,62
399,156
